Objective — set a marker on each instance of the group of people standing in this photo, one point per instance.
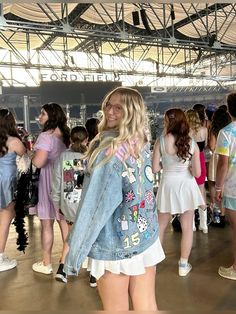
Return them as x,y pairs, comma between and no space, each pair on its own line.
115,226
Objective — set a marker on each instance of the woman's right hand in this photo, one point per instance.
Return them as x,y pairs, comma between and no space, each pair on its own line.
218,196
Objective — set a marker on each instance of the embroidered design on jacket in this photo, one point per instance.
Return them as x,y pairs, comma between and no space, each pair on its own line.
129,174
124,223
149,197
132,240
148,173
129,196
134,213
142,204
142,224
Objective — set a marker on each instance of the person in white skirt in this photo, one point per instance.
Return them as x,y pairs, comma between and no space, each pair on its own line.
116,223
178,192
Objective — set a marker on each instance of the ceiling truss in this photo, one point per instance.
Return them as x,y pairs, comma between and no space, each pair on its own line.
202,56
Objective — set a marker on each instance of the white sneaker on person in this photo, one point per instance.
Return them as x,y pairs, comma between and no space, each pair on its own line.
227,272
184,269
7,263
61,275
39,267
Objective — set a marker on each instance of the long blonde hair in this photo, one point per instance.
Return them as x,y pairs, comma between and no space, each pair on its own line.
193,120
132,130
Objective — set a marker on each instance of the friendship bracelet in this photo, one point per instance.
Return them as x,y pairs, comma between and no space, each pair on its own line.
218,190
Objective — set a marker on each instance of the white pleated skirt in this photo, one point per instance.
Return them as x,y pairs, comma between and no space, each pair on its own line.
177,193
130,266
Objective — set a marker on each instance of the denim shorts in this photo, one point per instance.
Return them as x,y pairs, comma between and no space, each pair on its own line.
229,202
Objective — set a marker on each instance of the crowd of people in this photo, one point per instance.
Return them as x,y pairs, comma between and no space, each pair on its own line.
116,229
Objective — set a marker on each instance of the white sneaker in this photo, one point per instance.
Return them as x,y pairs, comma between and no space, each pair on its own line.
39,267
229,273
6,263
184,269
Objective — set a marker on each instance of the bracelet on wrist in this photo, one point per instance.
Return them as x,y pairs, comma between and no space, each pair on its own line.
218,187
218,190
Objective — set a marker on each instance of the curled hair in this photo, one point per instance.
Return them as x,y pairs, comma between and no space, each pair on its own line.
78,135
7,128
131,131
57,118
193,120
178,126
219,120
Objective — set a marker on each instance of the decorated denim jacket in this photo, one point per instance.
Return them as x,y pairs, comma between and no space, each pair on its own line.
117,215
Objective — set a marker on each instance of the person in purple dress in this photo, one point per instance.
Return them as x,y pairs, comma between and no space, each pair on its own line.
53,140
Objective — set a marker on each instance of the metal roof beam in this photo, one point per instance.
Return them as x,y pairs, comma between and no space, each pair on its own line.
201,13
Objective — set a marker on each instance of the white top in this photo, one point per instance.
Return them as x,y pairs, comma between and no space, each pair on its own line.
178,191
226,145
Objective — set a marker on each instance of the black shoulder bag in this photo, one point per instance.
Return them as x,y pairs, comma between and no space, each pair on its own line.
29,180
26,196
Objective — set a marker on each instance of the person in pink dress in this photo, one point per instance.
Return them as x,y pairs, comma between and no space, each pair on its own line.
53,140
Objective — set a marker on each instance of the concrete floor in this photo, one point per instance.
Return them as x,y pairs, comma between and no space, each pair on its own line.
203,290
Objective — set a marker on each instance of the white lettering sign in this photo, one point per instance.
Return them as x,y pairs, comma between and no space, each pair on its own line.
72,77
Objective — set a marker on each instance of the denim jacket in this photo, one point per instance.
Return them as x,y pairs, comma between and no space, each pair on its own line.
117,215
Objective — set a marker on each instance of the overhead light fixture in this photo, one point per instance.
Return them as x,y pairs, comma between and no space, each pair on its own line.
135,16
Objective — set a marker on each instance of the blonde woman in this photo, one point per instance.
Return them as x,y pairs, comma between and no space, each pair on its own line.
200,134
116,223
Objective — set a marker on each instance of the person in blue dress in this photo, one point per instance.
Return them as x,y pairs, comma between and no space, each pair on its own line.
10,146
